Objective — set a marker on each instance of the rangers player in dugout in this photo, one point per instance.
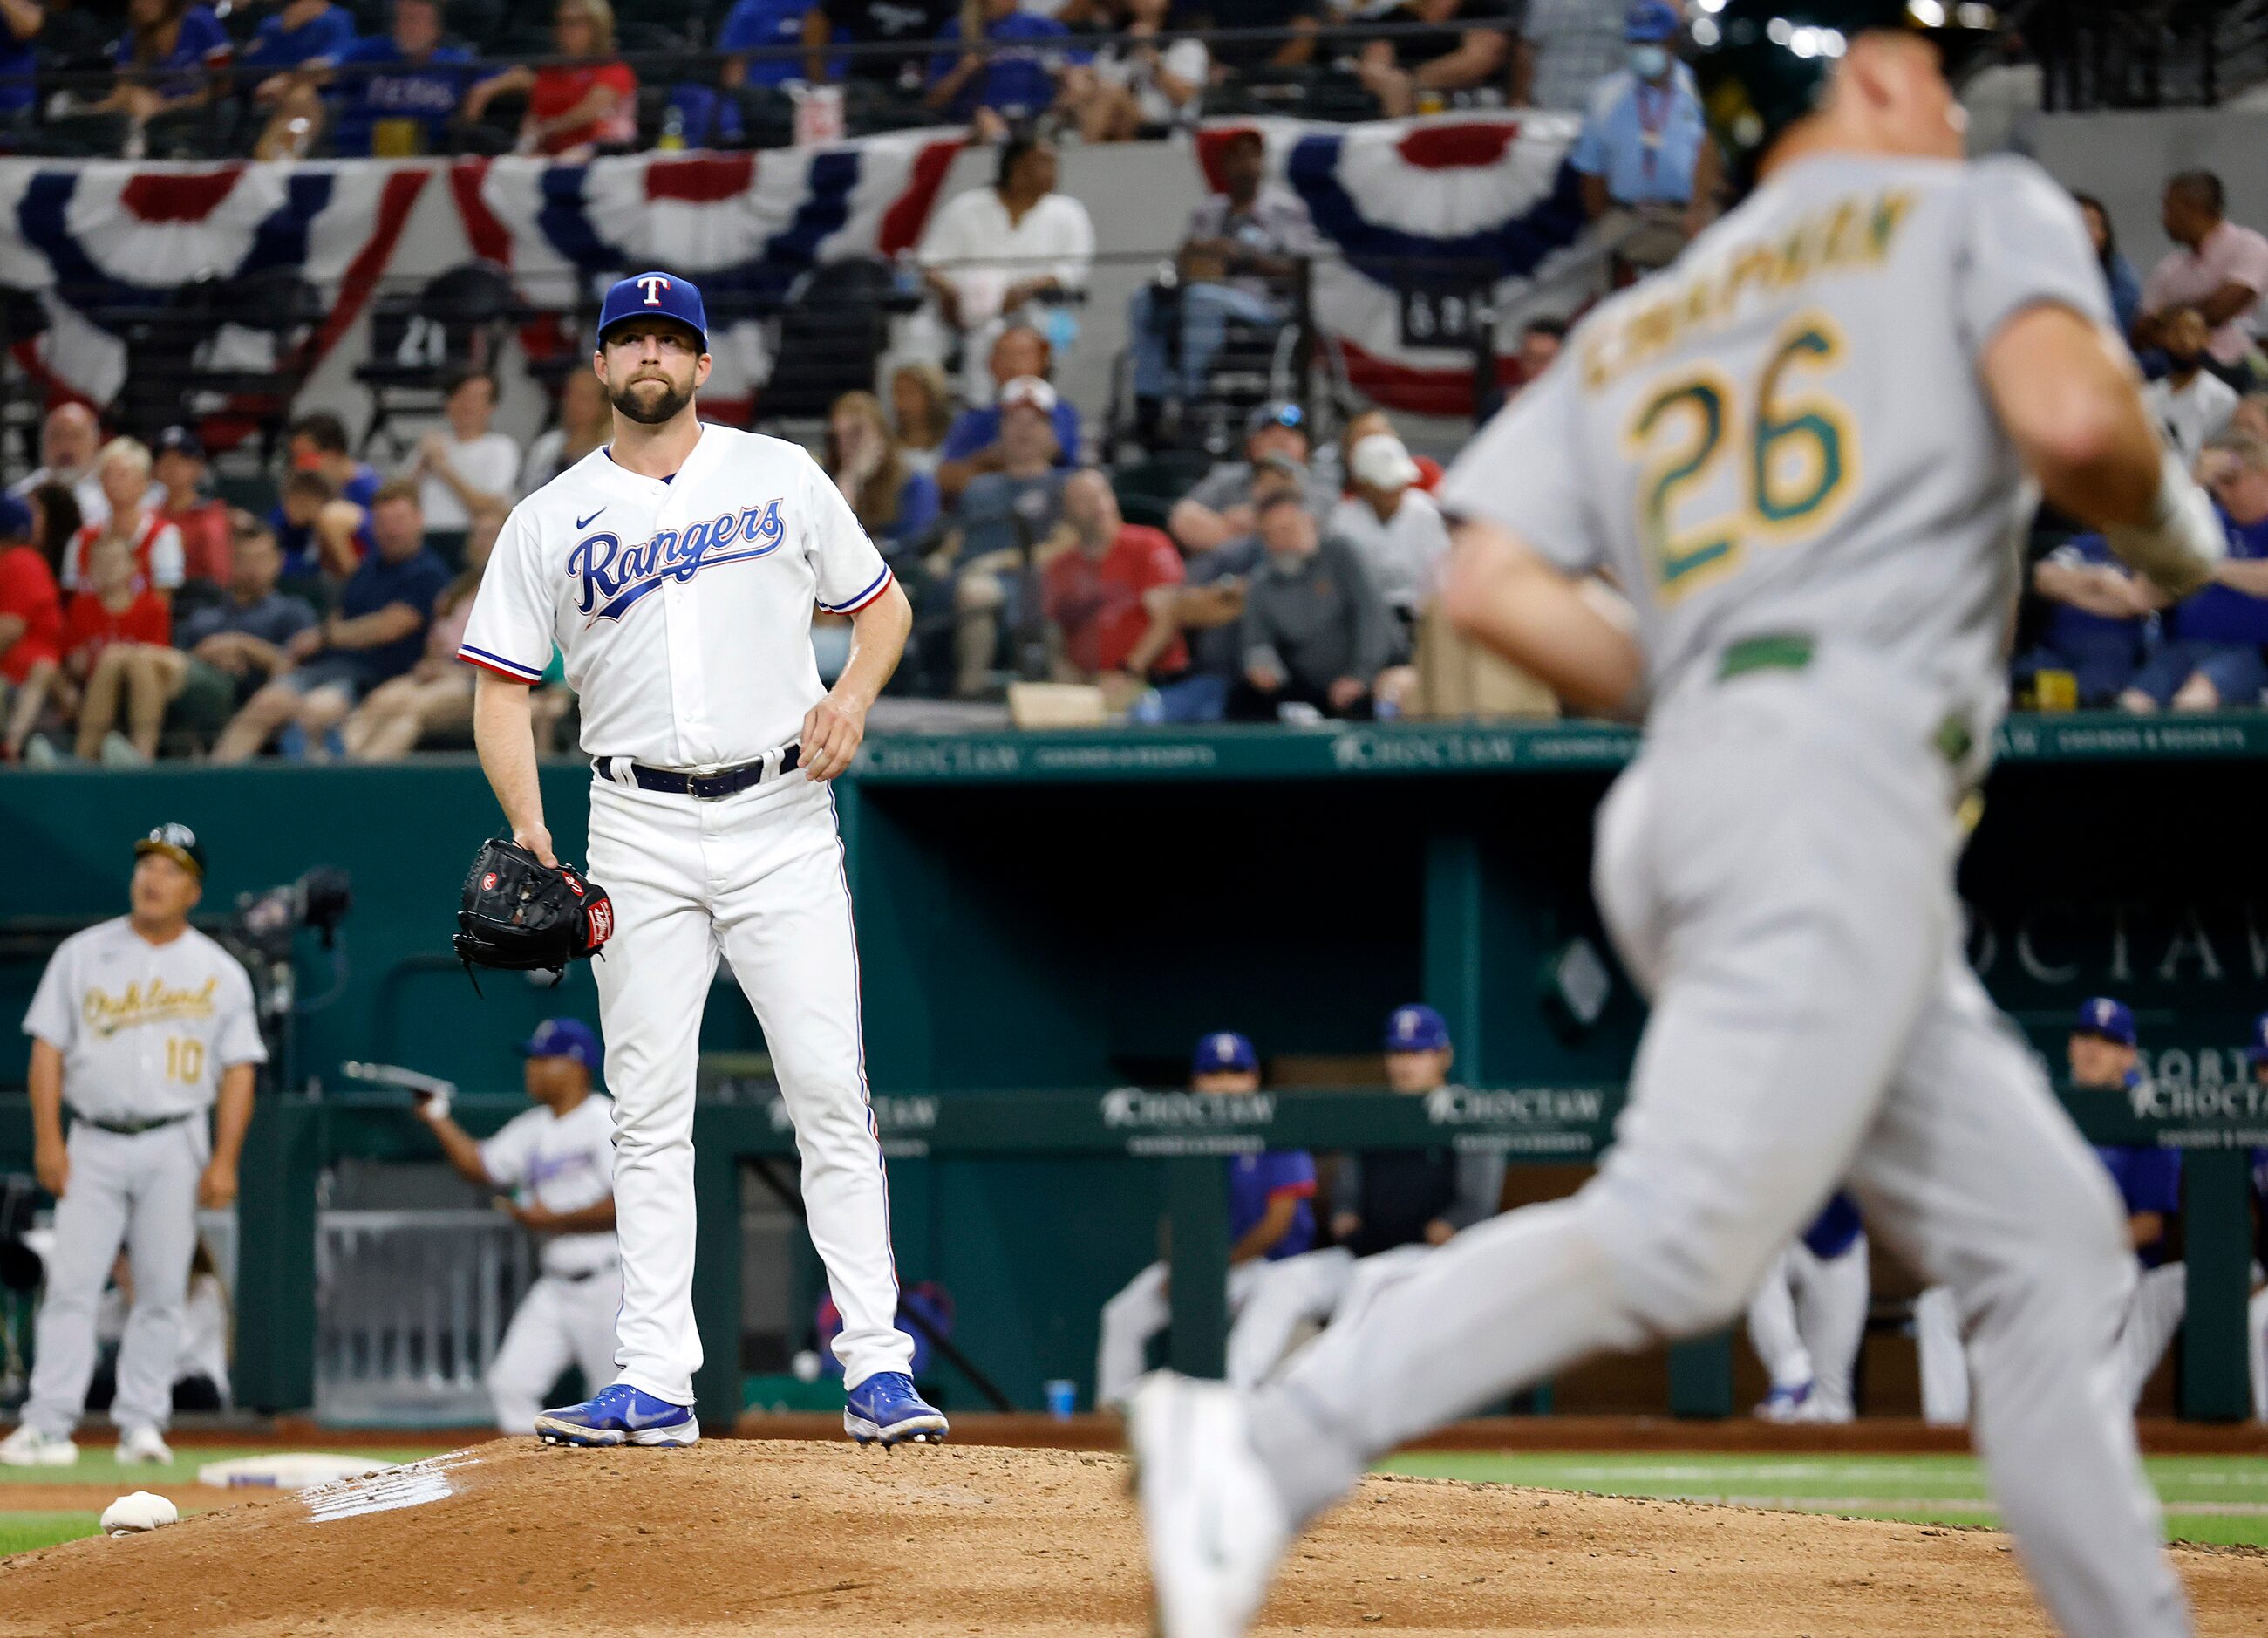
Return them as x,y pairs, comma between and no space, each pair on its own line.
140,1025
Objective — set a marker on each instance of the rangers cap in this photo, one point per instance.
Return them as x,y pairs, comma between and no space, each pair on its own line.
1650,22
1416,1028
178,843
563,1037
2113,1021
655,296
1224,1053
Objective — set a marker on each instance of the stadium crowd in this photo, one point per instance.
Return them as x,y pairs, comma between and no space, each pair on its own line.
294,77
1288,578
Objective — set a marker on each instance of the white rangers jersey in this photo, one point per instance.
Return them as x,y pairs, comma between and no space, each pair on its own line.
682,606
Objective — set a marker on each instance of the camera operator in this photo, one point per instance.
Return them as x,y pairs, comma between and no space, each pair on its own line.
142,1024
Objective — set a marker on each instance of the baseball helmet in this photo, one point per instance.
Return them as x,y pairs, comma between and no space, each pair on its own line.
1762,64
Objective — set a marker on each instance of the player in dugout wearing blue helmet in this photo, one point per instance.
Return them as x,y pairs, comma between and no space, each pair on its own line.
1272,1215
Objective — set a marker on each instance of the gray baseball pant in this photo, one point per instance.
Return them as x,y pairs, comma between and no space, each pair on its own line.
140,1190
1777,871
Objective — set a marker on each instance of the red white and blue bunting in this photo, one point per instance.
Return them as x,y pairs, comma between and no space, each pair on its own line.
1450,199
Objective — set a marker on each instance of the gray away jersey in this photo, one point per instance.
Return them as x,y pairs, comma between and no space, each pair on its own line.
145,1029
1787,432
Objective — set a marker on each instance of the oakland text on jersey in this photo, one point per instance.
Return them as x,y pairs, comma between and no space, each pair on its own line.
1857,231
143,1003
615,575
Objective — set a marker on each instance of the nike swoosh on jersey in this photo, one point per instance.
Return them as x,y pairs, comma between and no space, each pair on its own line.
584,523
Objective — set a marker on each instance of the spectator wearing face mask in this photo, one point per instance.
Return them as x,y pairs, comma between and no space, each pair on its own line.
1643,153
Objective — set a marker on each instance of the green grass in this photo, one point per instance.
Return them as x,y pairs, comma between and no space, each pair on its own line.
2218,1499
20,1532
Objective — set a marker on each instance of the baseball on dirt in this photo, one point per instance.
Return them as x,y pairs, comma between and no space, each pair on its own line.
139,1511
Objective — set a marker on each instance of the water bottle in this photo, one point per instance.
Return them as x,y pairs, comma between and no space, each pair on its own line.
672,130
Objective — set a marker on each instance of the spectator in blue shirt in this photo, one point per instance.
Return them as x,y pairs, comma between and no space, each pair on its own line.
1272,1215
972,443
167,60
1644,144
20,22
323,529
1015,82
2097,620
400,91
753,25
376,633
294,52
2212,653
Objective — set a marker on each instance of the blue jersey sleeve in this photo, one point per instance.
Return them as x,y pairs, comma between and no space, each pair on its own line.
972,430
1287,1171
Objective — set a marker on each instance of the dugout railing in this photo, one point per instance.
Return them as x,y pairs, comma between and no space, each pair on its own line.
740,1123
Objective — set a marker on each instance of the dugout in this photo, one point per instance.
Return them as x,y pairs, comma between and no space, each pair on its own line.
1066,912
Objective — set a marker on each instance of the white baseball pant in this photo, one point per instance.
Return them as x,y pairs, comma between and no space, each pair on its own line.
756,877
2256,1350
1776,868
2145,1329
2153,1314
1143,1309
560,1322
1316,1288
140,1190
1944,1361
1807,1321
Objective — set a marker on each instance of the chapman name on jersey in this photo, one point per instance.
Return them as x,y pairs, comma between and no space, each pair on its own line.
683,607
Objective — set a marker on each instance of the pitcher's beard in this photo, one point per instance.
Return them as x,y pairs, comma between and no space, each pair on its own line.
651,412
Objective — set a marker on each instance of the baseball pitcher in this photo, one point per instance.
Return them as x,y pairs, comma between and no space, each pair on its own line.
141,1026
677,568
1802,452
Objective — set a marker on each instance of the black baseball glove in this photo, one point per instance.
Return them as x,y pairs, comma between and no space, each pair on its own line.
523,914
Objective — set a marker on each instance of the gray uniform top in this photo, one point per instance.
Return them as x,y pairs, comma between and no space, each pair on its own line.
1317,619
1786,432
145,1029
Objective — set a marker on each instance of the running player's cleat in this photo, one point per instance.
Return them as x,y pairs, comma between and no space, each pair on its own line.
887,1409
1210,1515
144,1447
28,1447
620,1415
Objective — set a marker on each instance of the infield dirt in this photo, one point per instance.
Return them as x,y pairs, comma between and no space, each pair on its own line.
764,1537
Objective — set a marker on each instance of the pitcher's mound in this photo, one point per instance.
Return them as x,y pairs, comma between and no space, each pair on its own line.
747,1537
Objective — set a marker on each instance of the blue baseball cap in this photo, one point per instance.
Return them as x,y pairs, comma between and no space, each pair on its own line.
1650,22
1224,1053
2113,1021
1416,1028
2256,1053
563,1037
655,296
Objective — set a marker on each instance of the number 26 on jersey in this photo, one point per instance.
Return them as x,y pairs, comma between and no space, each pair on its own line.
1798,455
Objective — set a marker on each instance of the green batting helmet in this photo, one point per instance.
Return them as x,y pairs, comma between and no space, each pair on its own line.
1763,63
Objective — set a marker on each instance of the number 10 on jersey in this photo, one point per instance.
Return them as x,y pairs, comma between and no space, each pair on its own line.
185,1058
1797,453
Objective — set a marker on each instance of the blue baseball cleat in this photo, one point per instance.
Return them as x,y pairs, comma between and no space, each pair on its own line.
885,1407
620,1415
